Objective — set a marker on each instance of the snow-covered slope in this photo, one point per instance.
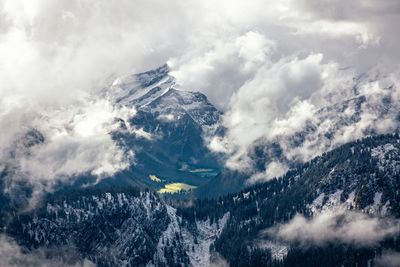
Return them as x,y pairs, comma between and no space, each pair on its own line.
156,91
137,88
167,132
344,198
368,106
113,228
353,186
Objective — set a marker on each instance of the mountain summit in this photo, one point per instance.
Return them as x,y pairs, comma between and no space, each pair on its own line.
157,92
167,130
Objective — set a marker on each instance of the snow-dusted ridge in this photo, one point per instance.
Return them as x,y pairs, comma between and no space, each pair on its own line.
156,91
122,228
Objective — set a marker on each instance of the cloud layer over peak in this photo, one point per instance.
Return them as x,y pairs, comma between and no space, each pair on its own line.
270,65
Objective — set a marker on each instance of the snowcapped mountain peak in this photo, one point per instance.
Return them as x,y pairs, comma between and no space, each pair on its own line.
140,89
167,130
156,91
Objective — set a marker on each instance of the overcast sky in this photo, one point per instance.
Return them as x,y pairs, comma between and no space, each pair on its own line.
259,61
214,46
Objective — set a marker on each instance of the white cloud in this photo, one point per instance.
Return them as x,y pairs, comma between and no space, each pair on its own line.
219,69
166,117
388,259
269,64
273,169
76,140
339,225
307,106
13,255
276,102
216,260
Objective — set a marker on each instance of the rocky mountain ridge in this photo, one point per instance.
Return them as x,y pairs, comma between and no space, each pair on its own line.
357,181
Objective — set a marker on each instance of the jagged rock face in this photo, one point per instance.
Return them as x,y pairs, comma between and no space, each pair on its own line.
110,228
360,177
133,228
156,92
166,137
360,112
130,227
172,125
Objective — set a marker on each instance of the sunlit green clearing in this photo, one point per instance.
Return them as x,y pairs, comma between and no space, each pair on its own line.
155,178
176,187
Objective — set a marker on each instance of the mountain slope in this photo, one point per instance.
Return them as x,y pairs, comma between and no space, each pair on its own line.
118,226
362,176
167,131
368,106
355,183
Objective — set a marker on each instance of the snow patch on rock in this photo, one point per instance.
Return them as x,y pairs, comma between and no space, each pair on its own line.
278,250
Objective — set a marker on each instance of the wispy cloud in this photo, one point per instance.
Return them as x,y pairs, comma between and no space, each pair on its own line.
265,63
11,254
339,226
389,259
